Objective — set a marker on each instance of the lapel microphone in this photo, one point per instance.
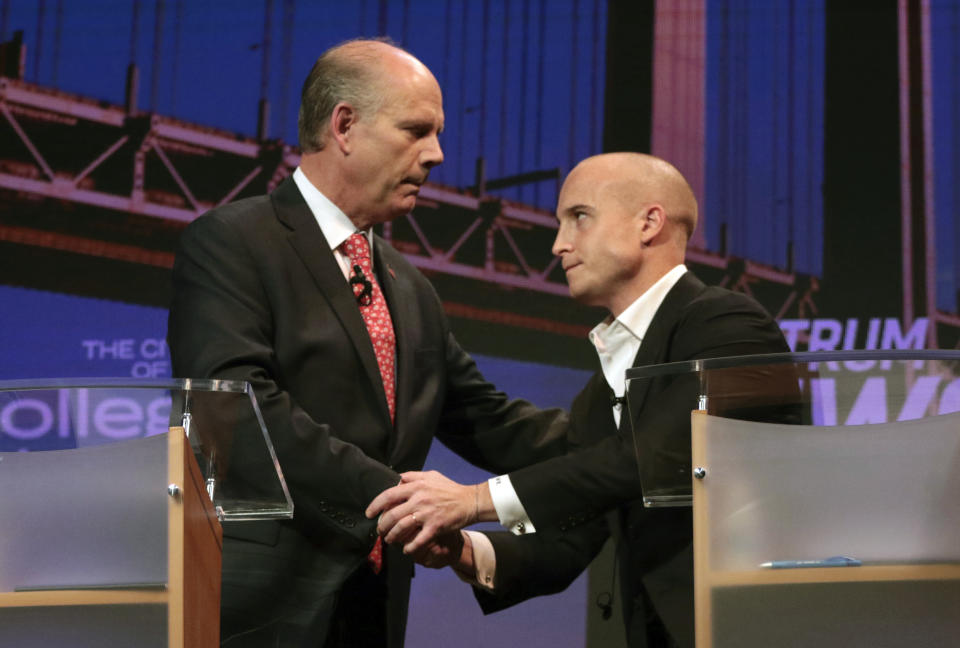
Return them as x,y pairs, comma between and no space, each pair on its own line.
362,288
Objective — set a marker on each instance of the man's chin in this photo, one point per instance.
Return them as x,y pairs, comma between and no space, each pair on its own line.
582,294
405,205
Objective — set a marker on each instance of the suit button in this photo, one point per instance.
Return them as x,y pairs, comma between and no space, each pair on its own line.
350,523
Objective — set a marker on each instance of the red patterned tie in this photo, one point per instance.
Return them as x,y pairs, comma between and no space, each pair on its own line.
376,317
373,307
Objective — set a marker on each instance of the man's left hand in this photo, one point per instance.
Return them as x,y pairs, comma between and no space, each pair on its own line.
445,551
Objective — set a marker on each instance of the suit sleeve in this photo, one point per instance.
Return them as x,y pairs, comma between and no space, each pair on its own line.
221,326
567,491
539,564
487,429
546,562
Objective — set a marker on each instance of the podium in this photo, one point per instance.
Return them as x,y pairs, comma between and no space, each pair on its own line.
826,495
111,498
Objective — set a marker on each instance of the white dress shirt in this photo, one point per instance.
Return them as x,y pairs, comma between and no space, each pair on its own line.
617,341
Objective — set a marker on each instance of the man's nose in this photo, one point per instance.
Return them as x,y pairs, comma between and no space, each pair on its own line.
433,155
560,243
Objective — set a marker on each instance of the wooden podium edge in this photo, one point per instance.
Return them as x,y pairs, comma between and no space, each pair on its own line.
195,543
702,603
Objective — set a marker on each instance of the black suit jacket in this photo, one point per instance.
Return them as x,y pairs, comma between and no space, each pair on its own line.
258,296
566,497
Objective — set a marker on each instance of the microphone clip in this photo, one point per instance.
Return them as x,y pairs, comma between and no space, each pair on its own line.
362,287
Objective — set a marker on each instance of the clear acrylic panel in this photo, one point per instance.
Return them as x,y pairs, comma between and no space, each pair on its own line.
830,389
221,418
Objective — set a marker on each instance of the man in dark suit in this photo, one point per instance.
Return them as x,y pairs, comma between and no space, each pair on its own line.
624,222
351,358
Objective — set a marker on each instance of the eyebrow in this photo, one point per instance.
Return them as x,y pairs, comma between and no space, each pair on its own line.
572,209
420,123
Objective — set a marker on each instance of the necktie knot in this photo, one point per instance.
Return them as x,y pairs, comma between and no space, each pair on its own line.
357,248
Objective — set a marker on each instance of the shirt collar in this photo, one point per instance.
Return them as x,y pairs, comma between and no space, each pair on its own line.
638,315
334,224
631,325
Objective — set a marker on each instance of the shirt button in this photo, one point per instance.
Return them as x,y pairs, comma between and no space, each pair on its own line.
520,527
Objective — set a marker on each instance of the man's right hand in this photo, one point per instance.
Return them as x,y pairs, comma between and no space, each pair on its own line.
449,550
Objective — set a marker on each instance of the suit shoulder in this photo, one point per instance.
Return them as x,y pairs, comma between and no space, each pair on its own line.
241,214
718,299
245,224
719,321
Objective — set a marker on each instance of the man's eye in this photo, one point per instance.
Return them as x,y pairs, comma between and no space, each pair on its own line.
580,216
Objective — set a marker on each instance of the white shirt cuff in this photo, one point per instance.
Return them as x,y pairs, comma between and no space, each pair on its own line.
509,509
484,560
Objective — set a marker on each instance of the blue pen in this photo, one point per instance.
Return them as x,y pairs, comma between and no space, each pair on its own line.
833,561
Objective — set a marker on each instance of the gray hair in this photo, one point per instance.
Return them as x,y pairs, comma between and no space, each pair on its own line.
348,73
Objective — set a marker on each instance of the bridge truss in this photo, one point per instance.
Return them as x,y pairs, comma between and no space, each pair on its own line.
84,177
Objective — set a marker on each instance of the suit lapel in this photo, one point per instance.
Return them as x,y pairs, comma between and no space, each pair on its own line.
308,241
655,345
394,286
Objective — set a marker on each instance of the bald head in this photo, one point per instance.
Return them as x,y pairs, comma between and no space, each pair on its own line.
354,72
638,179
623,223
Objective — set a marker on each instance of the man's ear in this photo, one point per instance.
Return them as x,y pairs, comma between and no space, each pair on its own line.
342,120
652,221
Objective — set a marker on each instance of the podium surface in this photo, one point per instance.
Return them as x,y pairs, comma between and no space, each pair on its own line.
826,495
111,536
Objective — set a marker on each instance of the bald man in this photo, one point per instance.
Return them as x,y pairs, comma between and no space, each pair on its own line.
624,222
349,353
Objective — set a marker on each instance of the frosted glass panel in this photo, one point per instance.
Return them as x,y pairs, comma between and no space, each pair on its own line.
103,626
885,493
842,615
84,517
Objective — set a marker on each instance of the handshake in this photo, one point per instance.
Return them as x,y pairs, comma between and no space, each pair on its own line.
425,513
